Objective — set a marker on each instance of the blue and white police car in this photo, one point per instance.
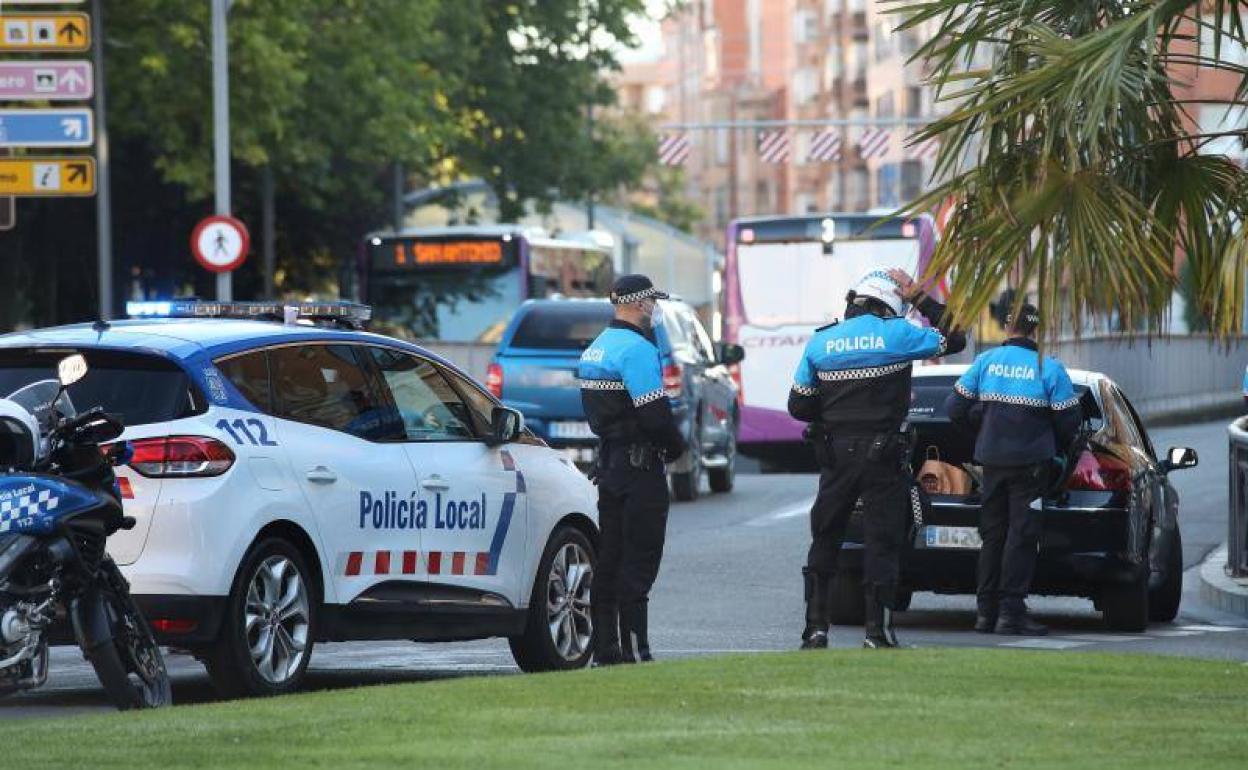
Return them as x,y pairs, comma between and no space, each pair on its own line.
298,480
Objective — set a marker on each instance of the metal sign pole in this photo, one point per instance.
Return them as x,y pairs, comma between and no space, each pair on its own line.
221,126
103,201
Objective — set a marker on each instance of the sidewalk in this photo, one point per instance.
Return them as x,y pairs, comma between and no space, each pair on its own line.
1220,590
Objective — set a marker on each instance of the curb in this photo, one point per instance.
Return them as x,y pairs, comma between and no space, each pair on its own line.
1220,590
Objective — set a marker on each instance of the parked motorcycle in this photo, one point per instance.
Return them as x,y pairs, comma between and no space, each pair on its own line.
59,502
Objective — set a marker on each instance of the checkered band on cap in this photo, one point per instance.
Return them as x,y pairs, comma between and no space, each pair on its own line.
637,296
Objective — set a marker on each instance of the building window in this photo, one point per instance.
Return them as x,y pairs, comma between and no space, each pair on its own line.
721,146
656,99
1219,118
884,105
914,102
911,179
805,85
721,206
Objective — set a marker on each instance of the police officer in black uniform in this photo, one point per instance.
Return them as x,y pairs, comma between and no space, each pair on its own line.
1024,411
853,387
621,384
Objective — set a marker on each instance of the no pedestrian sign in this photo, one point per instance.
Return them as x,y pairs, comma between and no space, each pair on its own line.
220,244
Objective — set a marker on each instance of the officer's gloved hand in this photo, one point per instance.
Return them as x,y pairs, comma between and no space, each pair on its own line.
674,452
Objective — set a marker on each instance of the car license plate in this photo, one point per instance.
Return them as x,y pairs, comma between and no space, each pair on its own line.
571,430
953,537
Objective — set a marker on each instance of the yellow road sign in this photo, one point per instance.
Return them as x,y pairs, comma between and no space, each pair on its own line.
28,33
47,177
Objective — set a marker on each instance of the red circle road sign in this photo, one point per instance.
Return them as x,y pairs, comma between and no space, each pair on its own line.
220,243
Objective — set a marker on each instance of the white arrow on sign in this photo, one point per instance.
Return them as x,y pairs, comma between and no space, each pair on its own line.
72,80
72,127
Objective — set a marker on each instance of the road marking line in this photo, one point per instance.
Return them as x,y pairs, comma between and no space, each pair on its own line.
801,509
1215,629
1172,634
1044,644
1103,638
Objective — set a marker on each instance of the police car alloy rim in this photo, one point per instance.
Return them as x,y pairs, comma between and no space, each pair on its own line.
567,601
276,616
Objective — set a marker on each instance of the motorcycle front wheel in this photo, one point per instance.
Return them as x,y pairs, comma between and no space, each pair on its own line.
129,663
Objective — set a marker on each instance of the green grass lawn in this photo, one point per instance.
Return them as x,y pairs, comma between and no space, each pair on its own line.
848,708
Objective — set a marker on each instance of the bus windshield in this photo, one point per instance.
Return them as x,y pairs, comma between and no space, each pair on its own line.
797,283
464,285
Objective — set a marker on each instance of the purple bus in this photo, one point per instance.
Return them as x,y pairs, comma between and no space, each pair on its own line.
785,276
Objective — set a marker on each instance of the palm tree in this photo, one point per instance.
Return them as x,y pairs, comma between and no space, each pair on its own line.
1066,149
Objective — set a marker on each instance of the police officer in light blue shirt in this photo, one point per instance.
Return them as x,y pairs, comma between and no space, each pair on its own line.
1025,412
853,386
621,382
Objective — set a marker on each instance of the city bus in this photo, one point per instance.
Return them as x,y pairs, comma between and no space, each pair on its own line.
462,284
785,276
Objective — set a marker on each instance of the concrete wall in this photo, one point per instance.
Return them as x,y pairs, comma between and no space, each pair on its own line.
1163,378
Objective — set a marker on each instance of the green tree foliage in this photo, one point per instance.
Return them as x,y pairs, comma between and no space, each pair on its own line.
328,95
1067,150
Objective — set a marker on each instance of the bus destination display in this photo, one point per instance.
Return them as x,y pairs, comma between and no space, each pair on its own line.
407,253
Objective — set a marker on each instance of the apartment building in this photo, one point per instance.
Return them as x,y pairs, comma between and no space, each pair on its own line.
781,68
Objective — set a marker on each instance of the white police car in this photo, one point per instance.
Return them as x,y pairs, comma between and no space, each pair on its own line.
297,483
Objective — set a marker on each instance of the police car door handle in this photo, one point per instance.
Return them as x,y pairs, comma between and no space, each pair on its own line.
321,475
435,484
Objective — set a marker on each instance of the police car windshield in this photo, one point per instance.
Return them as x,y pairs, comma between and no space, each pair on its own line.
563,326
136,388
928,396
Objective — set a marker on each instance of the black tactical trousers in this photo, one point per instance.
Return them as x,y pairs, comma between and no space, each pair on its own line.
632,517
1011,534
848,475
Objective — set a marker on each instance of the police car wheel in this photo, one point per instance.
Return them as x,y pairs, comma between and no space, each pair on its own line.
559,631
266,637
1163,603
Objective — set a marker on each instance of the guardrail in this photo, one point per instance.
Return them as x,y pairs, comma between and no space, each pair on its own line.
1237,499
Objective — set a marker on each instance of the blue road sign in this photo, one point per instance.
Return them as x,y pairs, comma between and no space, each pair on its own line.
47,128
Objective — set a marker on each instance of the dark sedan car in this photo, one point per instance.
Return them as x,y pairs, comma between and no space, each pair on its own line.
1110,519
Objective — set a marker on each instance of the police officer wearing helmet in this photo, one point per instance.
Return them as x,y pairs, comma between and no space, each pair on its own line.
1024,410
853,387
621,384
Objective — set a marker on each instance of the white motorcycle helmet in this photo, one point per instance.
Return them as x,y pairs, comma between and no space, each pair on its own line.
878,286
19,436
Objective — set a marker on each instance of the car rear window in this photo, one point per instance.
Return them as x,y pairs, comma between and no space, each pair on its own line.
928,396
570,326
138,388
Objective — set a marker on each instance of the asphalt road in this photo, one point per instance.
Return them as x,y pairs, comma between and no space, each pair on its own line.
731,582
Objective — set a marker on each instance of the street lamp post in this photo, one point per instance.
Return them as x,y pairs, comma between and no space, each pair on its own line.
221,126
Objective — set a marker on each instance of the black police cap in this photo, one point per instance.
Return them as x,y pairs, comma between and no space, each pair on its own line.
1026,319
634,288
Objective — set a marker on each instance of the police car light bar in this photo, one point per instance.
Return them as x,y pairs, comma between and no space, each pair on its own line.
351,313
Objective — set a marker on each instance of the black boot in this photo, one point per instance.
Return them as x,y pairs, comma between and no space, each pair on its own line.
986,615
634,633
1015,621
880,619
818,591
606,635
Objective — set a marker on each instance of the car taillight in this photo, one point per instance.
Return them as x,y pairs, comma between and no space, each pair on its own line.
494,380
180,456
673,380
734,372
1096,472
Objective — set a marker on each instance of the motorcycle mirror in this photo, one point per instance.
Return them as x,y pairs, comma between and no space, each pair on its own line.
71,369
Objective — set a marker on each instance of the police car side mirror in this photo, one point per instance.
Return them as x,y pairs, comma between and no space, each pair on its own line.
1181,458
729,354
506,425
